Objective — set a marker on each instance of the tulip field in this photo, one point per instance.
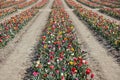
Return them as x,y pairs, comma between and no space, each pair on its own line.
59,39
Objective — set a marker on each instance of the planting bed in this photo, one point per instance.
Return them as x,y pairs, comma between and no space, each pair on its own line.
111,12
26,4
108,3
9,3
41,4
90,4
5,12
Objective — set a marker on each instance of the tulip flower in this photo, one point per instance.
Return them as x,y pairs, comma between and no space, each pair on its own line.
35,74
92,76
88,71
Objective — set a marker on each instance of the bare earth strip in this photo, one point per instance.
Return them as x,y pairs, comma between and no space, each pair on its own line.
15,65
103,65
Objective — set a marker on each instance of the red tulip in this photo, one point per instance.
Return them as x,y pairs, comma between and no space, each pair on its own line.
88,71
45,75
92,76
52,67
1,40
51,57
80,64
74,70
62,55
43,37
51,53
75,59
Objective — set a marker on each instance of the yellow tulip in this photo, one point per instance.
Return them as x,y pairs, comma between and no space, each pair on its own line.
72,27
45,46
117,42
71,63
72,49
60,33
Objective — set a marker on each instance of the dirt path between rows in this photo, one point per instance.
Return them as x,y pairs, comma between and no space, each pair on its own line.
17,12
18,61
104,66
104,15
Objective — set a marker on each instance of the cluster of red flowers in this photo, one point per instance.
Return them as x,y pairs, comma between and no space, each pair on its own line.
90,4
111,12
7,11
5,3
25,4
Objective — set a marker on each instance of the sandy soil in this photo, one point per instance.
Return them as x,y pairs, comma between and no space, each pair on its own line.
104,66
14,65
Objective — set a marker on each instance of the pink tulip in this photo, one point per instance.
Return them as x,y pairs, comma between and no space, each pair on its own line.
35,73
62,78
57,71
52,67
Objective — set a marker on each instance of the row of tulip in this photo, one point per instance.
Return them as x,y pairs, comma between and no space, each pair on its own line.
26,4
59,56
104,27
6,4
2,1
90,4
41,4
5,12
106,3
113,1
112,12
72,4
9,28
